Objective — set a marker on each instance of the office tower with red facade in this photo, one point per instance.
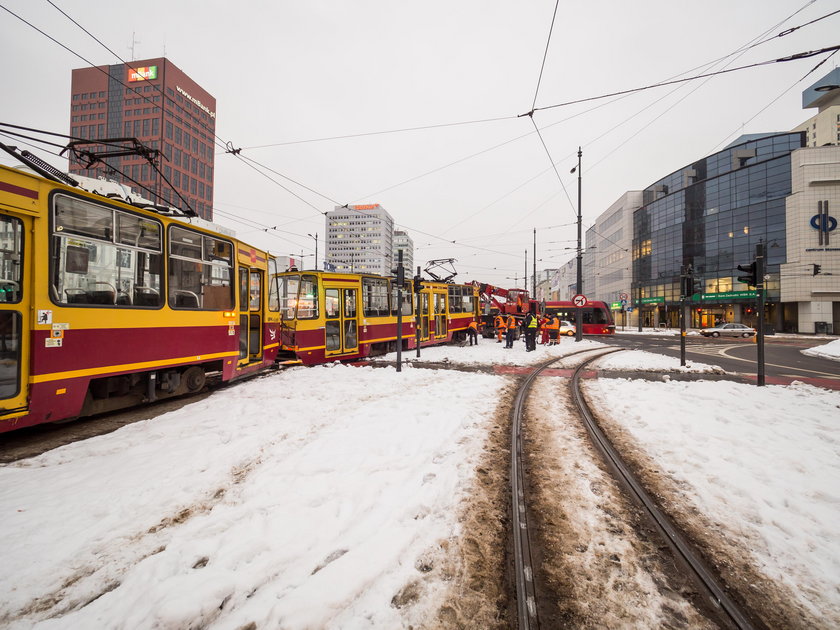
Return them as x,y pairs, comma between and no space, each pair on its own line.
153,101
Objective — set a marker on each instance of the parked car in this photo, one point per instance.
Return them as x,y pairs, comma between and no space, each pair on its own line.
567,328
728,330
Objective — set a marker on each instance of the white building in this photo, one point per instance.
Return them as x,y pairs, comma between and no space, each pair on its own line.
360,239
402,241
607,264
810,276
824,127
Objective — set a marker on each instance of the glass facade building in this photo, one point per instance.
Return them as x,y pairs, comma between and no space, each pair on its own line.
710,215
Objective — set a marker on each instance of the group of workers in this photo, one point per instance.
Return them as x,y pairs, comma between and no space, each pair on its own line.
506,327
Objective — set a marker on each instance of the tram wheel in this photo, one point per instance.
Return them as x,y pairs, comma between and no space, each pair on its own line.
193,379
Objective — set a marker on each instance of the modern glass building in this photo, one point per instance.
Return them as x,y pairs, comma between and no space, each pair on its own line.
710,215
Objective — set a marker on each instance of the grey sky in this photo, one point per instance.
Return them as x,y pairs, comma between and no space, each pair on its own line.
292,71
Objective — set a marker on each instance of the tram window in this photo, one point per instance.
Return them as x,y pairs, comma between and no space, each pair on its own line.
331,303
350,303
11,255
406,300
307,305
10,333
92,264
456,297
82,218
255,291
375,297
200,271
273,291
287,287
333,335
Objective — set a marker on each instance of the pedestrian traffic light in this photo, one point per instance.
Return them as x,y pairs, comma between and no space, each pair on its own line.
817,269
750,277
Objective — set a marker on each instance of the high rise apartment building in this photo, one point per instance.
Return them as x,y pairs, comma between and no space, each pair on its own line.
360,239
403,242
155,102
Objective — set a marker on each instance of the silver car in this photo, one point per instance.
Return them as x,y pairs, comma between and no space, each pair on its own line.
728,330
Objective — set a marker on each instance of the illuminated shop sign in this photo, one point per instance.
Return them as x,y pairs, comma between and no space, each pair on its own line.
370,206
195,101
146,73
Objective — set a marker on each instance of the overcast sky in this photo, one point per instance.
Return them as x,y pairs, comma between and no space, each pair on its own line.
289,74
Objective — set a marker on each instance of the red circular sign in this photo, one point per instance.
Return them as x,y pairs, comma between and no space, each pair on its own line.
579,300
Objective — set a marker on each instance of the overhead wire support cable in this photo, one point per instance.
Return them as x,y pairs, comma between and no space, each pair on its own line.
794,57
545,55
554,166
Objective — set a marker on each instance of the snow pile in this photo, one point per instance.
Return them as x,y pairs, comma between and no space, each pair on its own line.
649,361
828,351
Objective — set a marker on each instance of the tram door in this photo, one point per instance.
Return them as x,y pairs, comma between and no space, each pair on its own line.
440,314
250,315
424,316
341,325
15,301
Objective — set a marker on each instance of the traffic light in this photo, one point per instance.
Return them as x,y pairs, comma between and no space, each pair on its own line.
417,286
750,277
696,286
817,269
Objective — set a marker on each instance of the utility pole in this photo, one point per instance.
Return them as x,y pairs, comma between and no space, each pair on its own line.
417,288
400,282
534,275
579,313
760,297
526,270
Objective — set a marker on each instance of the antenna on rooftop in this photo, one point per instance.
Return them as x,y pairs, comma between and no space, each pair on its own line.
131,48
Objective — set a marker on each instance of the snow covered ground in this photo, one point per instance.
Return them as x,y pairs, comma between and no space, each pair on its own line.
318,497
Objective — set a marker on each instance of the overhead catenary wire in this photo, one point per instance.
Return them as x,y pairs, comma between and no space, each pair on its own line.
442,239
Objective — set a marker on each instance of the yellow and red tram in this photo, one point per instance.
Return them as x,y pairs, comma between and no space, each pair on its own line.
328,316
105,304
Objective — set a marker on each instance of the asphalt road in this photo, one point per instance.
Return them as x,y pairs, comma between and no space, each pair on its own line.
783,356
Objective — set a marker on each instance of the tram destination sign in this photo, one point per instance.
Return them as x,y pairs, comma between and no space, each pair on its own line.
731,295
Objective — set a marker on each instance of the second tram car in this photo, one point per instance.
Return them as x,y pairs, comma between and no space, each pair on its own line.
329,316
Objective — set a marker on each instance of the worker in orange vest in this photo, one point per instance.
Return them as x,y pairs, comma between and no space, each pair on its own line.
472,332
543,330
553,328
510,325
499,325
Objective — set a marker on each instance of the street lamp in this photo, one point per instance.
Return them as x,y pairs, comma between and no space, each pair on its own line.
579,314
315,236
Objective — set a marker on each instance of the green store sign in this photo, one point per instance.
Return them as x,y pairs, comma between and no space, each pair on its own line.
732,295
660,299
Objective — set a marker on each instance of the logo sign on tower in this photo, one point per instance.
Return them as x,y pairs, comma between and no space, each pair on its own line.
146,73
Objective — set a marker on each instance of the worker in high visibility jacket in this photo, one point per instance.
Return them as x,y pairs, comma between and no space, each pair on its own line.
510,326
499,325
543,330
553,327
472,332
531,324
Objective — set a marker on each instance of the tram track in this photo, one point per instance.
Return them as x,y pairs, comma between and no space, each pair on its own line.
711,596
